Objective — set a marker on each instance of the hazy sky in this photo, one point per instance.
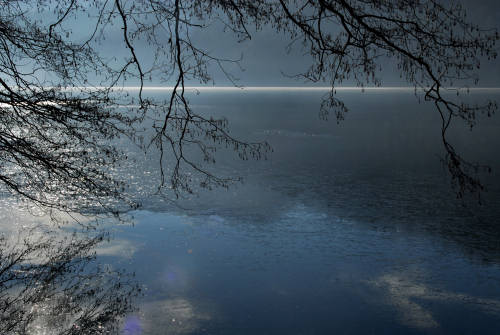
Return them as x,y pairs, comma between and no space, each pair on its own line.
265,59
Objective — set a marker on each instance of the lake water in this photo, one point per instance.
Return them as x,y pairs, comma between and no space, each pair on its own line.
349,228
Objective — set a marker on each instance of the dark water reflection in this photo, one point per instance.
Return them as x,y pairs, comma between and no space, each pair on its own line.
348,229
52,283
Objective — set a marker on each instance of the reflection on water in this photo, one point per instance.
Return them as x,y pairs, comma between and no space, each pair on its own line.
51,282
349,228
405,294
305,270
170,316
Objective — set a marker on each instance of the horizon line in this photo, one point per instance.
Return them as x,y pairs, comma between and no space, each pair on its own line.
282,88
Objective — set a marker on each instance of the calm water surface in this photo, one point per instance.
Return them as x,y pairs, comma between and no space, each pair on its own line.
347,228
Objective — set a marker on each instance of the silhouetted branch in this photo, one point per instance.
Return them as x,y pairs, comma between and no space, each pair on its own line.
58,126
434,47
52,283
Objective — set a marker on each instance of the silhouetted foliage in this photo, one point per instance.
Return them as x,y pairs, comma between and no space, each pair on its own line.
50,282
57,123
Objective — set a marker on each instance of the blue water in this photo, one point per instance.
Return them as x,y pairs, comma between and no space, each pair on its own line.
349,228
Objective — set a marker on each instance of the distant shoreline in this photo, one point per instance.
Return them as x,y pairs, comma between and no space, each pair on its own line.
284,88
